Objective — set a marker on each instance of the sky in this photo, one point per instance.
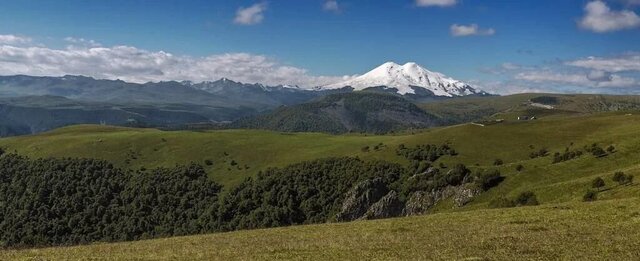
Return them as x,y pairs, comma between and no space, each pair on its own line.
575,46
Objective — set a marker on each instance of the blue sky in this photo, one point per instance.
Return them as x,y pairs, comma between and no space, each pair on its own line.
508,46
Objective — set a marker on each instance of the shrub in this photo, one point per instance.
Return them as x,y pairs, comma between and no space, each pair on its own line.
233,163
1,151
498,162
590,196
501,202
208,162
622,179
487,180
526,198
611,149
365,149
597,183
519,168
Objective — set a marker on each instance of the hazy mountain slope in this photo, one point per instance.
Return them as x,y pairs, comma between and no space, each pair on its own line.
349,112
466,109
223,93
34,114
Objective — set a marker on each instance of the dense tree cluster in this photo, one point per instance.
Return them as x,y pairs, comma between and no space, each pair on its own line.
70,201
423,156
308,192
75,201
596,150
566,155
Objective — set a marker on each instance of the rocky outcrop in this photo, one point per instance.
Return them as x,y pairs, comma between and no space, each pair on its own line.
464,194
421,201
360,198
387,207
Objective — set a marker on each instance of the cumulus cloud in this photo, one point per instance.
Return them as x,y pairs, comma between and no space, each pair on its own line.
251,15
138,65
331,6
578,79
439,3
13,39
601,19
623,63
470,30
618,74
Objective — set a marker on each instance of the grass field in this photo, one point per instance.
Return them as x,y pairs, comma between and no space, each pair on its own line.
562,227
478,146
604,230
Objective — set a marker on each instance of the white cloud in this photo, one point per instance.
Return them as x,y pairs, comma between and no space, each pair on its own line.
439,3
332,6
600,76
578,79
469,30
138,65
600,18
13,39
628,62
81,42
251,15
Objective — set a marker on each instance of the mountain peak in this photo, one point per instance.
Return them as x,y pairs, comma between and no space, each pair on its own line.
405,78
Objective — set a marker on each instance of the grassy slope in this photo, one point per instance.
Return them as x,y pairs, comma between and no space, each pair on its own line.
562,228
604,230
477,145
473,108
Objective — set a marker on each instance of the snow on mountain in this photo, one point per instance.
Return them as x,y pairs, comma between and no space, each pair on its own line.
407,77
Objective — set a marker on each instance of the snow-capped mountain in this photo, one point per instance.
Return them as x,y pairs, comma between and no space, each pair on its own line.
406,78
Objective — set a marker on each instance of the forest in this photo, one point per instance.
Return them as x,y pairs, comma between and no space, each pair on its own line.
46,202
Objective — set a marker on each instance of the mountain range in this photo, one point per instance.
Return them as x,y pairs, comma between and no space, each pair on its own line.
32,104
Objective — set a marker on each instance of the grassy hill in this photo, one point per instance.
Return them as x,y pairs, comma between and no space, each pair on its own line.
532,104
563,227
251,150
364,111
604,230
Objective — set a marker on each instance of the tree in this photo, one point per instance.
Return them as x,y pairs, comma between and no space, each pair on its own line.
590,196
597,183
498,162
622,179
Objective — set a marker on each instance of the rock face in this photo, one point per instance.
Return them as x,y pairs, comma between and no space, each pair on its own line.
421,201
359,199
371,199
387,207
464,194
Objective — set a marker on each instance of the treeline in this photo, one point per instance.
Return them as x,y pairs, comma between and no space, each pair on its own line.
74,201
71,201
